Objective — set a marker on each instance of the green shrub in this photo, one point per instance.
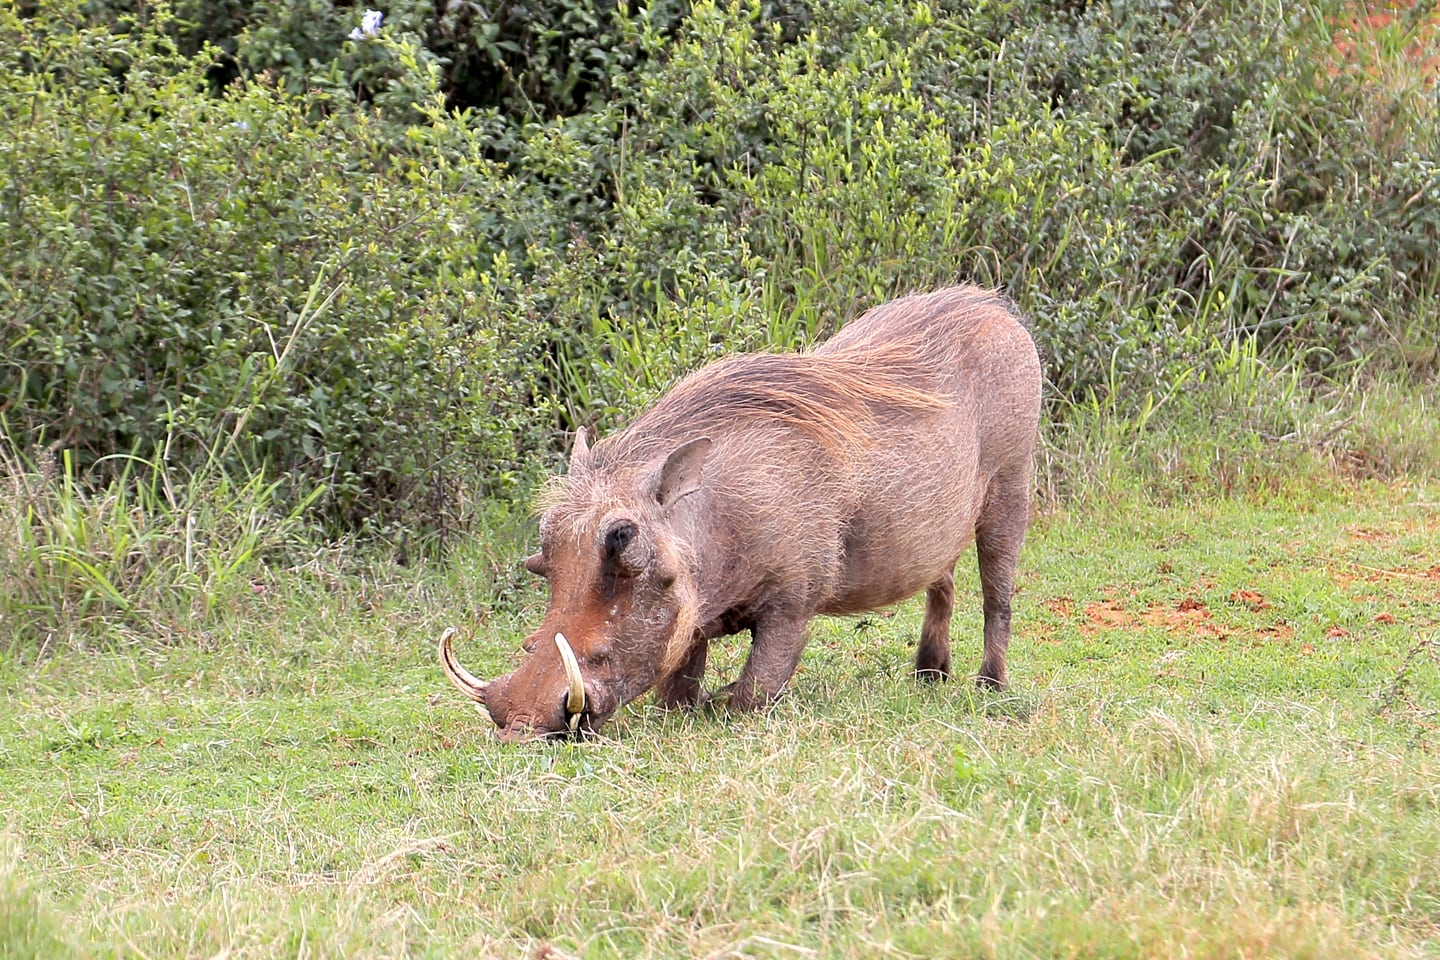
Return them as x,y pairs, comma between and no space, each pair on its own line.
233,231
1142,178
315,290
518,58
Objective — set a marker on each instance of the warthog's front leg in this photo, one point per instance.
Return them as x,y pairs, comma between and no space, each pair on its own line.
682,688
777,641
932,657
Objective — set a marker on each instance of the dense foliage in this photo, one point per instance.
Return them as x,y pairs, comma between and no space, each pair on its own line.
390,263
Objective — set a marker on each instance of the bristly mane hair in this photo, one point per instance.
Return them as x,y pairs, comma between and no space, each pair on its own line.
830,397
835,392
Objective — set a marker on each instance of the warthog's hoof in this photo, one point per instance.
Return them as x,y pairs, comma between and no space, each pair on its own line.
729,697
932,664
719,698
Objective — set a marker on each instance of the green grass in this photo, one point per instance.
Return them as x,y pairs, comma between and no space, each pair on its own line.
1214,747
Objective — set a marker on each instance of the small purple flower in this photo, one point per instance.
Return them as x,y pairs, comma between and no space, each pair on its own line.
369,27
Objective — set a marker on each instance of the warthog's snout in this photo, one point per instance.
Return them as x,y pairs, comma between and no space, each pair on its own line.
531,703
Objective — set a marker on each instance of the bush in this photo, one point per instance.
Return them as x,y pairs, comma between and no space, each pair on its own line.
306,291
1142,178
386,268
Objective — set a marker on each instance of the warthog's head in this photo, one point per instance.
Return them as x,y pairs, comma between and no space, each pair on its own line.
623,604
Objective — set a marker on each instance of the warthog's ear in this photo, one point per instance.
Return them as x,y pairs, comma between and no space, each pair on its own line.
679,475
580,459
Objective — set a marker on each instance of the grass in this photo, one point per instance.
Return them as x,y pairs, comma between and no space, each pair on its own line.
151,547
1221,741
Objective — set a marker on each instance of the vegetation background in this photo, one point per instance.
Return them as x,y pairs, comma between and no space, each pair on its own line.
297,308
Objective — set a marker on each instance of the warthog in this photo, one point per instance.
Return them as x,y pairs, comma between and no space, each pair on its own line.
767,488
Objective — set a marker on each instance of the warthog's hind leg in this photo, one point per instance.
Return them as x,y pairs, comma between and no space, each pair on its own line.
998,538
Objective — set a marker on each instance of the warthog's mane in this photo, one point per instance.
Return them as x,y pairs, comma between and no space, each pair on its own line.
832,398
893,362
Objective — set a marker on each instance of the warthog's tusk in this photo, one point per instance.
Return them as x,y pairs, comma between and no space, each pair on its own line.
574,683
468,684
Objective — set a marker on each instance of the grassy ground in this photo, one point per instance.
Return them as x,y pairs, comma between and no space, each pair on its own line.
1222,741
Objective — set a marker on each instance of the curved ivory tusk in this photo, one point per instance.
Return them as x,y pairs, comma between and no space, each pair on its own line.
468,684
574,683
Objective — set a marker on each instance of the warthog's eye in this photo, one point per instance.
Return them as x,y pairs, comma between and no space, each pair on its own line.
618,538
